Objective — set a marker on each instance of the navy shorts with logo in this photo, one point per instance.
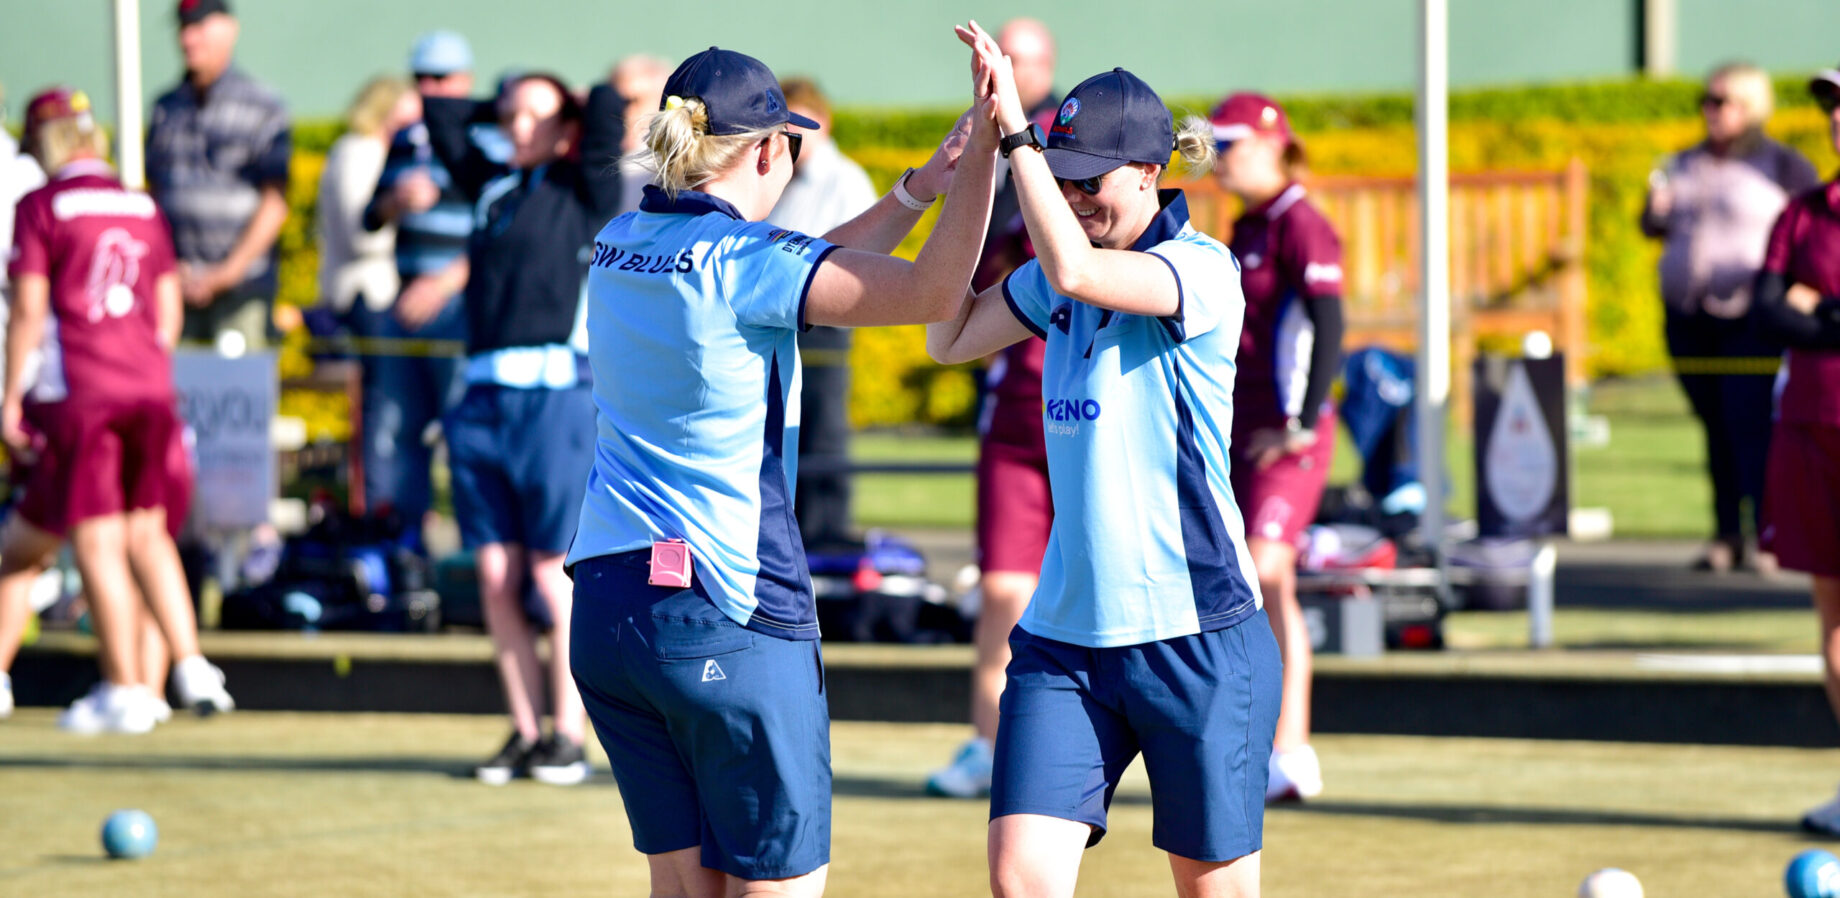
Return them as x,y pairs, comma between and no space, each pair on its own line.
1202,709
718,736
520,461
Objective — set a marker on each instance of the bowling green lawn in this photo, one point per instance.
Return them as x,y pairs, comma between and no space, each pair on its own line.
324,804
1651,475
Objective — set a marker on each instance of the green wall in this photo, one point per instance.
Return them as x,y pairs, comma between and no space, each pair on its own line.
318,51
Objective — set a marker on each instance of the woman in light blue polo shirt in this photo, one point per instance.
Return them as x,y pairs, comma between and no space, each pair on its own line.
709,699
1146,632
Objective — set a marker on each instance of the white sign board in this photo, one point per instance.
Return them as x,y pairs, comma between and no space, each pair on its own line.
228,404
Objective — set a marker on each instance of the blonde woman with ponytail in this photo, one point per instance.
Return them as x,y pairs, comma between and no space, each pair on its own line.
695,631
1145,633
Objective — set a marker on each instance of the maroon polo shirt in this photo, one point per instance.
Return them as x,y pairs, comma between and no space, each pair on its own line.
1288,252
102,247
1805,248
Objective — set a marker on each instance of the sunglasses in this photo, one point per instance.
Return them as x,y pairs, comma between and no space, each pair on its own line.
1828,98
1713,101
1222,146
794,141
1089,186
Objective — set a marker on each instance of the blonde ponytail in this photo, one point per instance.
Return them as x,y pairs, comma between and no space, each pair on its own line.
1195,144
681,152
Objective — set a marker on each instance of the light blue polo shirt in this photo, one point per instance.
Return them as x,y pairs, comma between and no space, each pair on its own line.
693,316
1147,542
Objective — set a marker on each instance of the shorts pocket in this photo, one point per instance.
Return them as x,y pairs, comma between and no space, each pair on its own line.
680,639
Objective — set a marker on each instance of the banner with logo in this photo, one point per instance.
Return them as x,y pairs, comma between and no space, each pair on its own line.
227,404
1522,460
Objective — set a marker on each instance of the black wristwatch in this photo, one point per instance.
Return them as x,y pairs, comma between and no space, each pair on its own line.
1031,136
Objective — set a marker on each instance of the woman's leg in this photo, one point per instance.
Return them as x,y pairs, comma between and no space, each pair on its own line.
100,547
1827,606
25,553
154,559
1006,594
514,643
558,591
1237,878
1276,563
1034,856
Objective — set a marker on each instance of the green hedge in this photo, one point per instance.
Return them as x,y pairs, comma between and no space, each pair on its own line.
1619,130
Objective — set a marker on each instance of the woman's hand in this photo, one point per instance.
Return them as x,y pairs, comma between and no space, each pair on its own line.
932,179
993,77
1266,447
1803,298
12,430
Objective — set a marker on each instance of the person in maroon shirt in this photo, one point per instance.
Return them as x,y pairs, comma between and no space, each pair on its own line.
1797,300
1289,351
96,288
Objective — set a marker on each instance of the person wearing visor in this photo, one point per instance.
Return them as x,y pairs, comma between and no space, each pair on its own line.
521,439
97,287
1144,635
1283,422
1797,301
695,629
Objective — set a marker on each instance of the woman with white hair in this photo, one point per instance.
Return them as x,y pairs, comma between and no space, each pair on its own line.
1712,205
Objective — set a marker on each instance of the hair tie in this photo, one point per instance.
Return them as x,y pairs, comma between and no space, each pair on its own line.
673,102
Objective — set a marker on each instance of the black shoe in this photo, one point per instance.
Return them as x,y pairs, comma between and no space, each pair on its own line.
558,762
510,761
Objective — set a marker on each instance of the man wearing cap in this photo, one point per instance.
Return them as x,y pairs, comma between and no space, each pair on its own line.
1797,300
218,146
408,387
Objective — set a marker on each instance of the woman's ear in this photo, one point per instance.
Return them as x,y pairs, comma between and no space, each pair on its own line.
1150,172
766,157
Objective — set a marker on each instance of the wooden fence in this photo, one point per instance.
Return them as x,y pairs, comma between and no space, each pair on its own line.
1516,260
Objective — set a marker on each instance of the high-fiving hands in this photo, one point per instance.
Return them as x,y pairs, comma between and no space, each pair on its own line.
993,82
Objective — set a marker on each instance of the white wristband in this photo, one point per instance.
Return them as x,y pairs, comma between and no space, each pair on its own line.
907,199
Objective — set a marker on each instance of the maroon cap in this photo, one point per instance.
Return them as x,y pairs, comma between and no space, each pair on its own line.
191,12
1243,115
54,103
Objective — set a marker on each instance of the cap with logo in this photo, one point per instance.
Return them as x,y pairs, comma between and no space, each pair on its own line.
739,92
1106,121
1825,85
440,53
191,12
56,104
1242,115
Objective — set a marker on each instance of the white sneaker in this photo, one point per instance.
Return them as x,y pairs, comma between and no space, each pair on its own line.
6,696
968,776
1293,775
1824,820
109,709
162,712
201,686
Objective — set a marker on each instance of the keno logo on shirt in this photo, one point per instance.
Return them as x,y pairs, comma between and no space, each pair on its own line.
1062,417
113,271
1322,273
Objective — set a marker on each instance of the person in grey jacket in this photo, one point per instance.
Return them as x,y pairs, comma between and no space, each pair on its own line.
1712,205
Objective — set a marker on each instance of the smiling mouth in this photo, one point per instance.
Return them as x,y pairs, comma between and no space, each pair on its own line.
1086,214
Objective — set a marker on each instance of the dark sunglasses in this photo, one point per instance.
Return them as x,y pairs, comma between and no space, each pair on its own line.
794,141
1828,98
1088,186
430,76
1713,101
1222,146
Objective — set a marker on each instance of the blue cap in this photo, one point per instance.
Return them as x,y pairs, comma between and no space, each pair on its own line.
1106,121
738,90
440,53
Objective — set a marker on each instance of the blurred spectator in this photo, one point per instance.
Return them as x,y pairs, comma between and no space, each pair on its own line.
356,265
93,269
521,441
1798,302
409,386
1014,508
827,189
1711,205
19,175
217,161
639,80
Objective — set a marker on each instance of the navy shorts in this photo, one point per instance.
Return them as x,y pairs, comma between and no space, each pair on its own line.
520,461
718,736
1201,709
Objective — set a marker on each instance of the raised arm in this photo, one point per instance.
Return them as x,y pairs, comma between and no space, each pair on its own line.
882,227
1120,280
447,120
985,325
603,127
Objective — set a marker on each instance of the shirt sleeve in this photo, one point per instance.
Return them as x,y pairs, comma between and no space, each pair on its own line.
1029,297
767,274
1207,286
31,249
1310,257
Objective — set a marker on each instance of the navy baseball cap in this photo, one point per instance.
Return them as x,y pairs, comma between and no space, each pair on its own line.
739,91
1106,121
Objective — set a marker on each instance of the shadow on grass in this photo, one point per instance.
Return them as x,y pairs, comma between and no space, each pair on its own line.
1506,815
443,766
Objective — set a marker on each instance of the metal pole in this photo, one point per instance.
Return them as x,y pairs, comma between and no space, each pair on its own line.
1660,37
128,148
1433,394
